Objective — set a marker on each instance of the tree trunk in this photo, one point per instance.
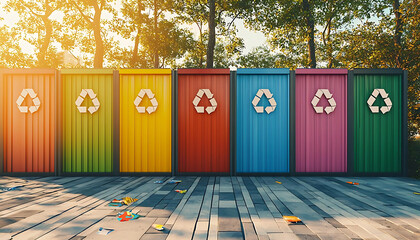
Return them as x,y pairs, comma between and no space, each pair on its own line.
212,33
329,48
42,54
200,49
156,53
135,57
99,44
398,32
310,24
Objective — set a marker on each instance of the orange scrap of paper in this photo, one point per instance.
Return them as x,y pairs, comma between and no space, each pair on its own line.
278,182
292,219
353,183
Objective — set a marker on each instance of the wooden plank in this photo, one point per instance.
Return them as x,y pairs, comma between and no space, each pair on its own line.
243,210
131,230
76,209
349,213
260,229
142,192
75,226
230,235
181,205
201,230
395,212
206,207
213,227
69,210
38,200
213,208
228,218
185,223
249,231
310,218
275,236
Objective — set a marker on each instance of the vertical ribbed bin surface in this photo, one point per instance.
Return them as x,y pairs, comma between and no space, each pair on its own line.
145,131
28,107
203,138
377,135
262,138
321,138
87,137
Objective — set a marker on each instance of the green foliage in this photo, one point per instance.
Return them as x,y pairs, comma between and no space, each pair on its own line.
11,55
228,46
371,45
263,57
161,36
285,24
36,27
84,29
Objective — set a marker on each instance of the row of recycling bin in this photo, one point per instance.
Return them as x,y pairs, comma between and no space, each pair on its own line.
203,121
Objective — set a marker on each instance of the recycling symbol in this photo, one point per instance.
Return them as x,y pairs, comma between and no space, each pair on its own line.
197,100
35,100
384,95
330,99
81,98
152,98
257,98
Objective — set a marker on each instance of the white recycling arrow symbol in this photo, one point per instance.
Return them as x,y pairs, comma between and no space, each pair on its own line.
330,99
271,100
198,98
35,100
152,99
92,96
385,97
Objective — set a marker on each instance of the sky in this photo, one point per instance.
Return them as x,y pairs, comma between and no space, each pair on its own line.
252,39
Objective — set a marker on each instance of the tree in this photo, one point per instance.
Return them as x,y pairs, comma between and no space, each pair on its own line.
212,33
398,31
158,40
11,55
287,24
214,14
227,50
308,9
90,12
36,27
263,57
290,24
381,45
335,16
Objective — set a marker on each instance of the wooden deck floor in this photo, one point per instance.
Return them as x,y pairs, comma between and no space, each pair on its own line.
213,208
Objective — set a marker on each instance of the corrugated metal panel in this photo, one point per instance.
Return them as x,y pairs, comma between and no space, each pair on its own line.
145,139
203,139
262,139
321,139
377,136
28,138
87,138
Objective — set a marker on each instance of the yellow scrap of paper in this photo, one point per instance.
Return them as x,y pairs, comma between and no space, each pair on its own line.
128,200
278,182
158,227
417,193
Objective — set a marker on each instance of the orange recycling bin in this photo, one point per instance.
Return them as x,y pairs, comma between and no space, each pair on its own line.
28,120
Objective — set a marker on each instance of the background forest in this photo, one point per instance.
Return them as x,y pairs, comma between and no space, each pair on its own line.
157,34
